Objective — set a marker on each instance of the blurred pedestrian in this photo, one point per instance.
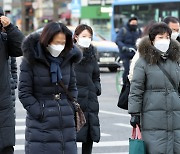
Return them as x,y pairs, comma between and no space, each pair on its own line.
47,61
173,23
10,43
126,40
89,87
154,99
136,56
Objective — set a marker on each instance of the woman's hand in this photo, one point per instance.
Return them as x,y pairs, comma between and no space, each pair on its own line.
135,120
5,21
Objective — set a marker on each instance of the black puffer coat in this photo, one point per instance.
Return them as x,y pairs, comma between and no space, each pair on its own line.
10,45
50,126
89,87
13,77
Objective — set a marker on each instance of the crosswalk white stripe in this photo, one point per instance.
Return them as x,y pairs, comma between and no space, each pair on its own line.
22,136
114,113
20,127
123,125
100,144
114,153
20,120
104,134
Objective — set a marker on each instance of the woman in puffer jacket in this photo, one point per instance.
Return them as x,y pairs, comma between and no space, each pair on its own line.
47,61
154,101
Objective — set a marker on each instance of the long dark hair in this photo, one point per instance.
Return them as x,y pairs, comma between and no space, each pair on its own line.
79,29
53,28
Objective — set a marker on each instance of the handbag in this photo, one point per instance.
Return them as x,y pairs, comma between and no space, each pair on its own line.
123,97
136,144
80,119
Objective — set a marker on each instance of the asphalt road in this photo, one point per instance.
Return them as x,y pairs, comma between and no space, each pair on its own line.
115,128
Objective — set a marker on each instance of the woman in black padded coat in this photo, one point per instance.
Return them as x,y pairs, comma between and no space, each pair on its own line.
89,87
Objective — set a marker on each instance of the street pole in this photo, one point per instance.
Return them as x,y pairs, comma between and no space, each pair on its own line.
56,4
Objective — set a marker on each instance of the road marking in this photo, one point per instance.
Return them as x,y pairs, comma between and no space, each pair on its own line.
104,134
22,136
123,125
114,153
20,127
20,120
100,144
114,113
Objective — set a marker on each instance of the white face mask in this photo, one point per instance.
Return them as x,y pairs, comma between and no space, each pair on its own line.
55,50
162,44
174,35
84,42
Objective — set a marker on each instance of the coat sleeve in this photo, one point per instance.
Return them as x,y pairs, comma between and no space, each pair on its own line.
72,88
137,88
13,69
96,79
14,40
119,39
25,92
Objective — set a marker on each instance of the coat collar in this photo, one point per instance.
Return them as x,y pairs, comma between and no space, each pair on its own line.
153,56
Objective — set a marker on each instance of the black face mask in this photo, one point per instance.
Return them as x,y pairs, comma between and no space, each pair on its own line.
133,27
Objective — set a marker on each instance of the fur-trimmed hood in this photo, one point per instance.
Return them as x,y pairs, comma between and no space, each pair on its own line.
32,51
153,56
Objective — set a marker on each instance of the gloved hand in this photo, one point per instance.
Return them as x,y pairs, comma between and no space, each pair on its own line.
135,120
125,49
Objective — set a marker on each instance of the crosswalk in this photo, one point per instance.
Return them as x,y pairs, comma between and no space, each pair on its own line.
20,138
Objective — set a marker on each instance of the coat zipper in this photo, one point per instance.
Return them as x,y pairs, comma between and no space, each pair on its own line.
60,119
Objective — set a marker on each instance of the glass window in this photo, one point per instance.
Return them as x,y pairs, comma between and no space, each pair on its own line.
144,12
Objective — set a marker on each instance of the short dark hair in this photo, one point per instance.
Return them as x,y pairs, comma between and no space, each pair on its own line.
169,19
158,28
53,28
81,28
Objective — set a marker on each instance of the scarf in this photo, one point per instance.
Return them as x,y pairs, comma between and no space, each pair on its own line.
55,69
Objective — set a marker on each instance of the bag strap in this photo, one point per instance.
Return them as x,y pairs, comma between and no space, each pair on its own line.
67,92
167,75
134,131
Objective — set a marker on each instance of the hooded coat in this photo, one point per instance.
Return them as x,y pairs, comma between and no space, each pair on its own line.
127,38
50,125
89,87
153,96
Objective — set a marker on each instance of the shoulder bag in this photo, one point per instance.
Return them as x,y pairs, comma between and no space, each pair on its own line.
80,119
123,97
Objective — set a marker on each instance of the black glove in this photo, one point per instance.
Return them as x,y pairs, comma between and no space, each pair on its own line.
135,120
125,49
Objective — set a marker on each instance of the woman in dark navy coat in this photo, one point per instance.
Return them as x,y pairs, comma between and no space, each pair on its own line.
47,60
89,87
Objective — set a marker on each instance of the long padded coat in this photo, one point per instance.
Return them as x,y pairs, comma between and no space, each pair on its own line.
10,45
50,126
152,95
89,87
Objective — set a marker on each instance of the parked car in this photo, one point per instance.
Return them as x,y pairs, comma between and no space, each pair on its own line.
107,51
